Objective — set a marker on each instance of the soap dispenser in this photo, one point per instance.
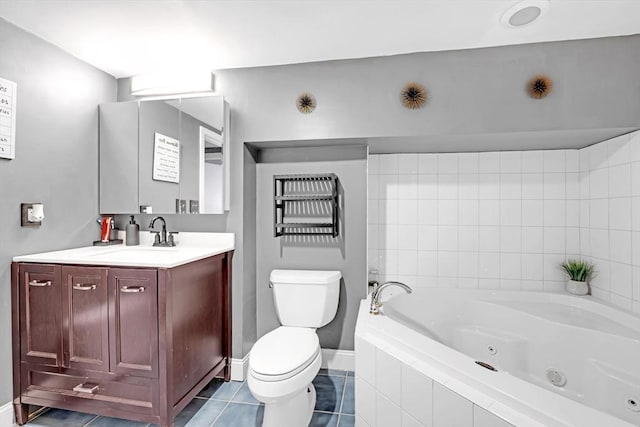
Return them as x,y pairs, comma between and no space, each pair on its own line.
132,233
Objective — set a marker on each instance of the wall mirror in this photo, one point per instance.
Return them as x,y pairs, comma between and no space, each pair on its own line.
164,156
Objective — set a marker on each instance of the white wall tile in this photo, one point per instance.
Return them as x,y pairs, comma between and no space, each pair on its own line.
620,181
447,238
532,240
484,418
372,236
510,186
373,187
572,188
365,402
635,248
511,239
407,212
365,360
428,237
532,186
388,187
488,265
511,212
408,187
468,238
599,213
488,212
599,243
373,211
489,162
428,163
620,213
428,186
572,161
387,413
599,183
555,213
554,186
468,213
634,147
448,212
620,246
408,163
417,395
428,263
510,162
598,156
373,164
583,156
428,212
489,186
447,186
618,150
447,264
388,376
532,212
468,264
621,280
468,186
532,267
635,178
468,163
408,262
488,238
554,161
408,237
448,163
388,164
551,268
635,213
510,266
388,237
532,161
409,421
450,409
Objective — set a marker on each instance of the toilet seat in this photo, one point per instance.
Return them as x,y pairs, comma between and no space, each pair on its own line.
283,353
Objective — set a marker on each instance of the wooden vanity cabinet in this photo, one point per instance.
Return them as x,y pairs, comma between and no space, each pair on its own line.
134,343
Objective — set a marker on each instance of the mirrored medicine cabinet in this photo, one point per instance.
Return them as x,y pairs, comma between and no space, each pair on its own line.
164,156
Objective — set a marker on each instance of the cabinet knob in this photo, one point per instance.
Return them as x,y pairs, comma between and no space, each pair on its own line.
40,283
79,287
132,289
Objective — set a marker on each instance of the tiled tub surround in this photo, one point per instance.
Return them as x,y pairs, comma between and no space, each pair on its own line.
405,378
507,219
488,220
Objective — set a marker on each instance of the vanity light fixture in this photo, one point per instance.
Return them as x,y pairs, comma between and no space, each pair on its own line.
524,13
172,83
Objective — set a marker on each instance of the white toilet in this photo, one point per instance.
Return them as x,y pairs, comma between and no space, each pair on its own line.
283,362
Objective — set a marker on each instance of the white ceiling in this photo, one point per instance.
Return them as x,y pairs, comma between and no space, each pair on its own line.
128,37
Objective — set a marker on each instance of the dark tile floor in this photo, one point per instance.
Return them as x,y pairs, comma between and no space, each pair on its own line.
230,404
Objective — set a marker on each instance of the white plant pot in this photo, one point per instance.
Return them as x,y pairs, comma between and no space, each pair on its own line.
577,288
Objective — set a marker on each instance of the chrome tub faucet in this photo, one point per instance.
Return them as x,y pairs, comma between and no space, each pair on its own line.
375,295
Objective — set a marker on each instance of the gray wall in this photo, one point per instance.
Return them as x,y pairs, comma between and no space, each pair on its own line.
347,252
56,159
471,92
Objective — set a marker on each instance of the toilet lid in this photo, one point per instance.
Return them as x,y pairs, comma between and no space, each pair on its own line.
285,350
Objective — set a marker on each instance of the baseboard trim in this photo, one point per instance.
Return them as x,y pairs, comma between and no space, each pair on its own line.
344,360
239,368
6,415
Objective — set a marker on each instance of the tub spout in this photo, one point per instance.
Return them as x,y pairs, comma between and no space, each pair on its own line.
375,295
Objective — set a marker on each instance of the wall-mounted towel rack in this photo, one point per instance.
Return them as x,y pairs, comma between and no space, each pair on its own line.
305,205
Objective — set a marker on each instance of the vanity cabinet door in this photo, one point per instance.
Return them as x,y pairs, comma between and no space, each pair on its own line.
133,317
41,314
85,318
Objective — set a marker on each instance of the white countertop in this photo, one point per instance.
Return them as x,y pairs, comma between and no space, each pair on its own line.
190,247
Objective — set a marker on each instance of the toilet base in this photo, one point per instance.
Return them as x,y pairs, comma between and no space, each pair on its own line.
295,411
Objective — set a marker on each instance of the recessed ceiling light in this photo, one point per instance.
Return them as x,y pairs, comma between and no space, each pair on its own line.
524,13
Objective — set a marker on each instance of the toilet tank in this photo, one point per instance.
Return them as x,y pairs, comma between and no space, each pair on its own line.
305,298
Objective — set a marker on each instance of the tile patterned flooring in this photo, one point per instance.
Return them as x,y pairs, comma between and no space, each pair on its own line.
230,404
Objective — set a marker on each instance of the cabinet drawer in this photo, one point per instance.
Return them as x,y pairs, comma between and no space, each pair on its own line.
47,385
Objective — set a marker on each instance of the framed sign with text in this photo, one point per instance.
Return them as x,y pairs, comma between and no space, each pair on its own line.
8,93
166,159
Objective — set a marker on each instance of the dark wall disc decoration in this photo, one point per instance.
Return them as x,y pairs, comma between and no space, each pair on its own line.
413,95
539,86
306,103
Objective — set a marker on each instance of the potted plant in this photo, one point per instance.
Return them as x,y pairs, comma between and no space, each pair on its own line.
579,272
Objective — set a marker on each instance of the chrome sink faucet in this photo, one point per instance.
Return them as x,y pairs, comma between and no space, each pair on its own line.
375,295
161,236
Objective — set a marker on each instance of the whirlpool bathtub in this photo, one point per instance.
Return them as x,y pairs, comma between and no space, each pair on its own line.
529,358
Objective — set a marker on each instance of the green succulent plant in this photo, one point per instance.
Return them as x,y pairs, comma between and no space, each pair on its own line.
578,270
